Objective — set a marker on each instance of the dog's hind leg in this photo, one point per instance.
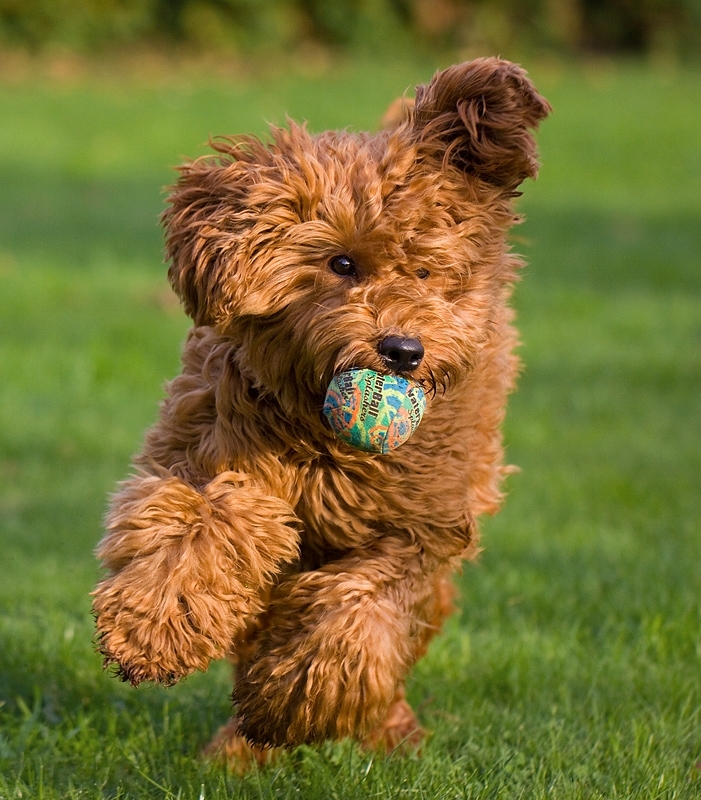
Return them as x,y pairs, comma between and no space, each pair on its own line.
401,730
229,746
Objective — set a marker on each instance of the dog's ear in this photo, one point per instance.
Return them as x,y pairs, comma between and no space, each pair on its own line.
398,111
478,116
204,224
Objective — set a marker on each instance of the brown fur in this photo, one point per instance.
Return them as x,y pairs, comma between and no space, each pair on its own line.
248,529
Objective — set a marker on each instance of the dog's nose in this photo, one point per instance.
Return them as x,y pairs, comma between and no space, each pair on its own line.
400,353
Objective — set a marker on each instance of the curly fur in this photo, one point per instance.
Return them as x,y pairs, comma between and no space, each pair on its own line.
248,529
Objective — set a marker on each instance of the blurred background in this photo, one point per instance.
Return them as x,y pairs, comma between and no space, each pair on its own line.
662,28
572,669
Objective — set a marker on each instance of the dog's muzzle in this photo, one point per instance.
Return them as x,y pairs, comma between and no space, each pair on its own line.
400,353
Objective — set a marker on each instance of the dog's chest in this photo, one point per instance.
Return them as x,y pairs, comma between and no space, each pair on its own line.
343,507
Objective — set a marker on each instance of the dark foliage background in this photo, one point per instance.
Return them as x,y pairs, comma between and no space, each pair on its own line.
644,27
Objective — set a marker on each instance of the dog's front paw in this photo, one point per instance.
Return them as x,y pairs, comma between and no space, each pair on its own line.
322,672
154,634
188,570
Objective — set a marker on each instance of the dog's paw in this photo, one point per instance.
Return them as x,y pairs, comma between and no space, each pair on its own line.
188,568
232,749
399,731
322,672
150,635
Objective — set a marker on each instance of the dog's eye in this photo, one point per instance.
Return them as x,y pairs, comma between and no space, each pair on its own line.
422,273
343,265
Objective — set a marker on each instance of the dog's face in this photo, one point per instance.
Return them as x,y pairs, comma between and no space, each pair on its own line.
322,253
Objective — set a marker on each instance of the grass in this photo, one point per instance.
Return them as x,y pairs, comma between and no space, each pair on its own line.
573,670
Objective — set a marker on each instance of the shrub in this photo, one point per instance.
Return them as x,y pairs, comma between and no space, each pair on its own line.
566,26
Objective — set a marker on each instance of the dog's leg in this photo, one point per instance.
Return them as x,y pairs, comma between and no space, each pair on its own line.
233,749
229,745
400,729
188,568
338,643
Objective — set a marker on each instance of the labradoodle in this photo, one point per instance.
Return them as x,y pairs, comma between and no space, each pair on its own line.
249,529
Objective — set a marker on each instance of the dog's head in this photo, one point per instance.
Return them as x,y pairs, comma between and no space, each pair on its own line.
321,253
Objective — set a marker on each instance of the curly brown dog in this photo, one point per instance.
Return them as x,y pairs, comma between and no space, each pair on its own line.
249,530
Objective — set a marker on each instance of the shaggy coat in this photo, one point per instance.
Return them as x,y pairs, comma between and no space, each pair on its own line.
248,529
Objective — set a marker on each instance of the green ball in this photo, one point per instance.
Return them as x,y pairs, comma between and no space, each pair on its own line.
373,412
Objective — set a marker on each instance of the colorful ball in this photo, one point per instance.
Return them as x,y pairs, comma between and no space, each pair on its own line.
373,412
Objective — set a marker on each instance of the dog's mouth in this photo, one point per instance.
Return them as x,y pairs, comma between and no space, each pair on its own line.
392,355
395,354
425,378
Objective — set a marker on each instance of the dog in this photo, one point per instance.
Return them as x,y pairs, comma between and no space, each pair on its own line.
248,529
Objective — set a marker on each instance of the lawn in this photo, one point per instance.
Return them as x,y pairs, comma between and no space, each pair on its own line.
574,667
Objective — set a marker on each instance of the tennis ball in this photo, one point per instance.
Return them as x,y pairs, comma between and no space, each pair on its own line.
373,412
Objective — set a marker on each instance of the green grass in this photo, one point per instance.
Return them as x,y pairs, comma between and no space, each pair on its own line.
574,668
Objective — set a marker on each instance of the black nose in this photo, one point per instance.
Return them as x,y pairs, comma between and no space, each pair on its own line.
401,354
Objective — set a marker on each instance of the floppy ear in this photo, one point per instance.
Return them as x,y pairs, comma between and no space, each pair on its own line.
398,111
205,224
478,117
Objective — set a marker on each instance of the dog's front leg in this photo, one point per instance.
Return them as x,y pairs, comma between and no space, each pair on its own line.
187,568
337,643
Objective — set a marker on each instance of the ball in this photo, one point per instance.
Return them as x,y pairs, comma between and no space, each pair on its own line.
373,412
